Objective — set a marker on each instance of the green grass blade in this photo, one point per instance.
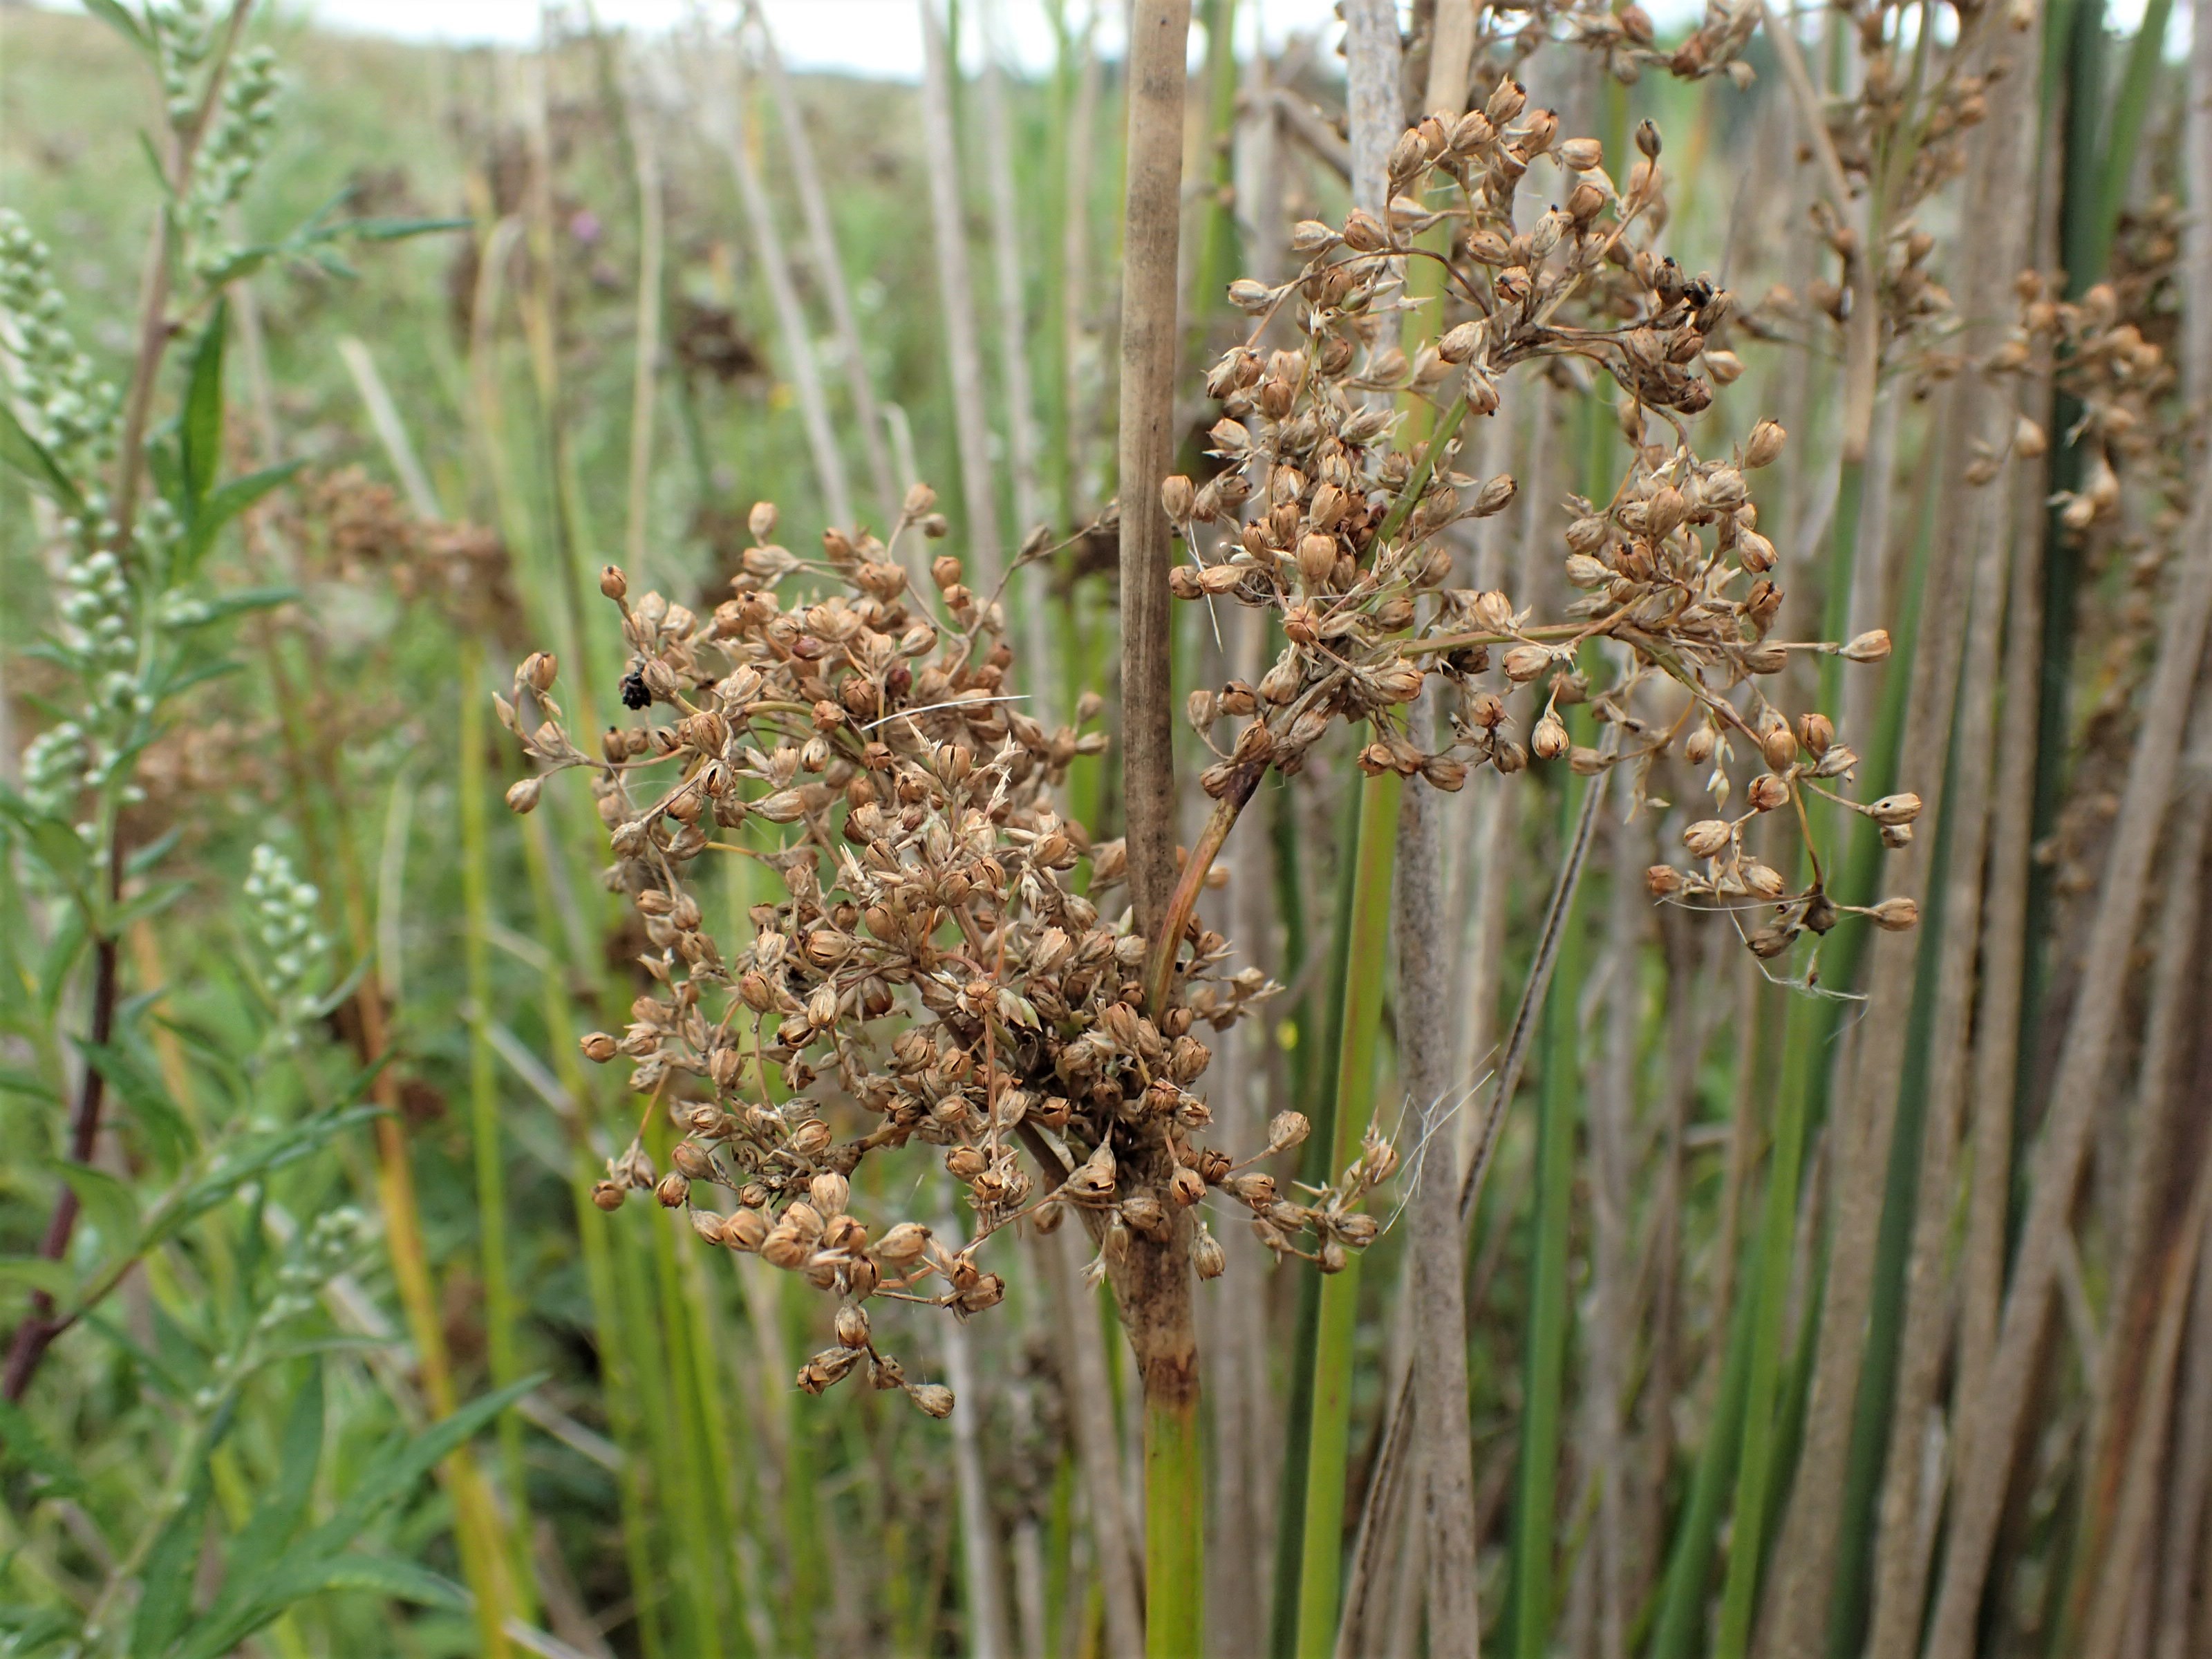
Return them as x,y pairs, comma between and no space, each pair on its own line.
1551,1294
1321,1556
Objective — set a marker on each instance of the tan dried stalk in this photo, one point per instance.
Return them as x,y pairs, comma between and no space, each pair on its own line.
2185,1546
1609,1331
1064,1258
983,1599
1803,1572
1032,590
1987,407
2004,950
798,336
830,266
1989,1431
1158,35
2118,1581
652,237
957,298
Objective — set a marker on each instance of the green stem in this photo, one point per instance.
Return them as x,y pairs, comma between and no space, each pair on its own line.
1768,1305
1313,1067
1174,1529
483,1114
1367,943
1551,1294
1681,1611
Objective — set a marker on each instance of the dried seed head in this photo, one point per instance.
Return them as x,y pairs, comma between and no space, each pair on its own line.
1177,496
1707,838
598,1046
613,583
1765,445
1549,740
1816,732
1767,793
1895,809
1870,646
934,1398
852,1325
607,1196
1896,915
1207,1256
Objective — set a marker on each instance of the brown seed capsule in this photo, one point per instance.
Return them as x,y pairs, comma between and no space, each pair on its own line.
1765,445
1662,880
851,1326
1816,732
934,1398
1286,1130
1176,496
599,1047
1549,740
1896,915
1524,663
1581,154
830,1193
692,1161
1706,838
1698,747
1186,1187
613,583
607,1196
1207,1256
1767,793
1778,743
1870,646
1895,809
1508,758
1762,880
903,1243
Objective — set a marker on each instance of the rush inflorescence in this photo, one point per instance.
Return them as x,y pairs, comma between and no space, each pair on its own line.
930,971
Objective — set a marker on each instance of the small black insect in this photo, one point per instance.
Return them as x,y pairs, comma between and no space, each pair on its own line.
633,692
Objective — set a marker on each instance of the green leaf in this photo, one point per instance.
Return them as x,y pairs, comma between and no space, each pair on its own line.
20,451
273,1525
403,1581
248,1160
394,230
109,1205
199,434
34,1272
15,1080
320,1560
391,1477
226,501
59,959
146,1098
22,1447
121,22
139,906
165,1594
34,1630
245,600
